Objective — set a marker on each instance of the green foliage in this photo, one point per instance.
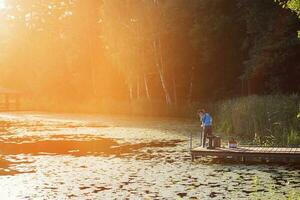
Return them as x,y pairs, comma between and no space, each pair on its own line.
290,4
294,137
263,120
293,5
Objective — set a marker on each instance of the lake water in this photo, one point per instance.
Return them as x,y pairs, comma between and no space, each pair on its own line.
56,156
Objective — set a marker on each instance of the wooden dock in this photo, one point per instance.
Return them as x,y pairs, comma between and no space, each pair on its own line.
246,153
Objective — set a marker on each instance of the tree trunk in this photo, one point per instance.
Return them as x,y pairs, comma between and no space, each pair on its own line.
162,80
146,88
138,88
161,74
174,89
130,92
190,95
93,80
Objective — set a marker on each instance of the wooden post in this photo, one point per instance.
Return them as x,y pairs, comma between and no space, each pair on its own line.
7,101
17,102
201,137
191,141
2,102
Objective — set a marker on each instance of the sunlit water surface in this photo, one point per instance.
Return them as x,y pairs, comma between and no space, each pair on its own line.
51,156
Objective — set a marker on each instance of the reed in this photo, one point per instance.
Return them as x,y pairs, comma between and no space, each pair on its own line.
263,120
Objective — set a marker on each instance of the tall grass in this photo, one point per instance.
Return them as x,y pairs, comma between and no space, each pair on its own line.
263,120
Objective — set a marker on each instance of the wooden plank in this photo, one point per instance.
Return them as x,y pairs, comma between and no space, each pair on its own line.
261,149
286,150
293,151
234,150
255,149
250,149
278,150
241,149
272,149
264,150
282,150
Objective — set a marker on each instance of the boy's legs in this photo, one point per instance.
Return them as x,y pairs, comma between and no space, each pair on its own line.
207,131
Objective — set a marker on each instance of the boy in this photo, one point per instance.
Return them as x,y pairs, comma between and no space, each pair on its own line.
206,124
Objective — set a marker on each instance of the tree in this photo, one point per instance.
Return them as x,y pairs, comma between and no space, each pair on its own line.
271,45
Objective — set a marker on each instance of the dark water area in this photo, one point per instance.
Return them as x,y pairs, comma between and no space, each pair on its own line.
51,156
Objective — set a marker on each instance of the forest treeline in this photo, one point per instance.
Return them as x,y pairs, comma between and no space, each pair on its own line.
176,52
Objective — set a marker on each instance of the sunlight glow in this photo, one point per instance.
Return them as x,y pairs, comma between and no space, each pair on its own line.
2,4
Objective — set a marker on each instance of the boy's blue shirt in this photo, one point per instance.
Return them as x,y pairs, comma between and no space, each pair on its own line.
206,120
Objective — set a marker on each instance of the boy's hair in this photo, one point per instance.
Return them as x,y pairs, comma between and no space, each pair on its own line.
201,110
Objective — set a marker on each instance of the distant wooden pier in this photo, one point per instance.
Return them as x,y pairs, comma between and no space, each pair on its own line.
9,99
249,153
